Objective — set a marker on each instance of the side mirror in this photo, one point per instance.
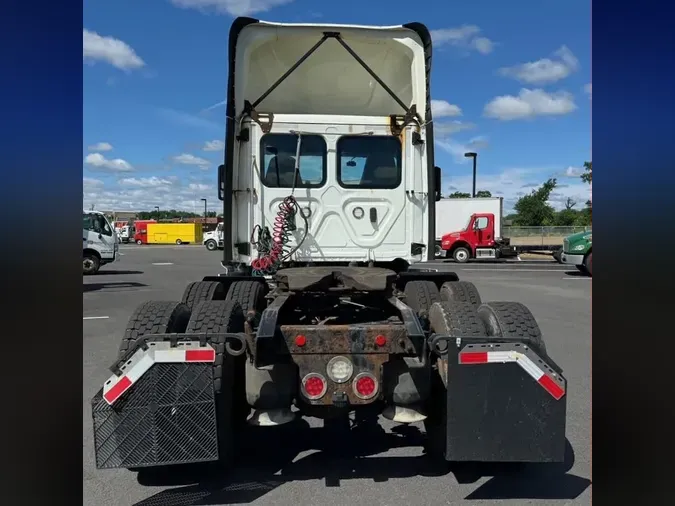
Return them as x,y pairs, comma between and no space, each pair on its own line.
437,183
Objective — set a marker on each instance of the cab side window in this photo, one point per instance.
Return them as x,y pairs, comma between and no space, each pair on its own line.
96,223
481,223
87,222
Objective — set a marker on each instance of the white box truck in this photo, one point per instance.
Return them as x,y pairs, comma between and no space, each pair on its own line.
100,244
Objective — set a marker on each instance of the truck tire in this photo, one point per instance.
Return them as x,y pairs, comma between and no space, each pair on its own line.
588,264
461,255
216,316
420,295
139,242
512,320
228,372
455,319
249,294
557,255
90,264
154,317
581,269
211,245
460,291
179,242
202,291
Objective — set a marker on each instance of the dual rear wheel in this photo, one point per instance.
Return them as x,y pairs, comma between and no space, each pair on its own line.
456,310
206,307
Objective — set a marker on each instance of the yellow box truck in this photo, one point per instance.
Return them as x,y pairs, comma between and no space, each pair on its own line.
174,233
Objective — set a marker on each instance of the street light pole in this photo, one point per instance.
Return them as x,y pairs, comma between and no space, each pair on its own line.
204,210
474,156
157,209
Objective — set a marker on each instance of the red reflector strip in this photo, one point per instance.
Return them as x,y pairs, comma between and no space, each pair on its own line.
473,357
208,355
551,387
115,392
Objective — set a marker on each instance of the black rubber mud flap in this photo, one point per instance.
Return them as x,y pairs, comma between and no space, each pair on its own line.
167,417
505,403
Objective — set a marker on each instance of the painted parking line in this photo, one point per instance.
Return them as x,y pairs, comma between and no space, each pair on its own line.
516,269
95,317
162,263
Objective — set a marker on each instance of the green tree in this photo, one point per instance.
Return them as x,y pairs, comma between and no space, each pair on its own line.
533,209
459,195
483,194
587,176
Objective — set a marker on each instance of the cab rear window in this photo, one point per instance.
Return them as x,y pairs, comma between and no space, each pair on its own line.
278,153
369,162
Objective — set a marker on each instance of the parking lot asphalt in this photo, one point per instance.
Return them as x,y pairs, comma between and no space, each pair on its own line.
285,466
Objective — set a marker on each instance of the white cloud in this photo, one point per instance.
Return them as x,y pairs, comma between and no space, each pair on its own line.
101,146
442,109
232,7
465,36
545,70
145,182
444,129
513,183
113,51
213,146
199,187
589,90
89,183
573,172
457,148
136,198
530,103
99,162
483,45
188,159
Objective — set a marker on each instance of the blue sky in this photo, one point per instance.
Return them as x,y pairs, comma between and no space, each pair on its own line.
511,80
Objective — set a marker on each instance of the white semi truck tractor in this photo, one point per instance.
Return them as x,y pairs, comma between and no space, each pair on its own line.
325,307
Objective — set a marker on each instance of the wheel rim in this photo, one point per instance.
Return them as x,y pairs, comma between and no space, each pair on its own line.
88,264
139,242
461,256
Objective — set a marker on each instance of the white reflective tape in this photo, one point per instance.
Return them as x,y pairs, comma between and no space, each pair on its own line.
142,360
513,356
501,356
140,368
171,355
529,367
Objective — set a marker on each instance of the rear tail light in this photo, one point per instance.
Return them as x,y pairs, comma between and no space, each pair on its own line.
365,386
314,386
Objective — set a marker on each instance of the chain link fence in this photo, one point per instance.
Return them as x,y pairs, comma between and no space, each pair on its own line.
544,236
